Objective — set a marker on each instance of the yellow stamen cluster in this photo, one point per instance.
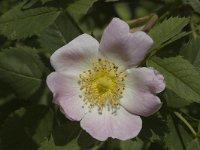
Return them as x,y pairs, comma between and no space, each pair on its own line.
103,84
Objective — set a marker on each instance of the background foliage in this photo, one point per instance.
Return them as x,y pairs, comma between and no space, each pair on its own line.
31,30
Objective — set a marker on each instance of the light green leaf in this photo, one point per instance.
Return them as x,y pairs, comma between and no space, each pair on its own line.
50,145
181,77
59,33
21,23
22,70
80,7
167,30
191,51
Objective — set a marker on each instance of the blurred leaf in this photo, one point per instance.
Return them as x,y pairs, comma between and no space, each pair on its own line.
195,4
24,123
199,129
181,77
154,128
29,3
136,144
177,138
167,30
111,0
85,141
123,10
174,100
21,23
194,145
59,33
45,1
50,145
63,134
5,93
80,7
22,70
191,51
44,127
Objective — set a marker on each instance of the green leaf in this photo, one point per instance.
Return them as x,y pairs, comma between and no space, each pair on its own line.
21,23
80,7
194,145
85,141
59,33
22,70
45,1
63,134
181,77
154,128
136,144
26,128
191,51
50,145
195,4
44,126
167,30
174,100
177,137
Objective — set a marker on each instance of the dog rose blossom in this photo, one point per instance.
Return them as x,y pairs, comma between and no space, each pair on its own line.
100,85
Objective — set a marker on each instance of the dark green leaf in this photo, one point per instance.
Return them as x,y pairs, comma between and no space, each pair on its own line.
194,145
59,33
26,128
191,51
177,138
80,7
85,141
136,144
22,70
50,145
21,23
63,134
175,101
195,4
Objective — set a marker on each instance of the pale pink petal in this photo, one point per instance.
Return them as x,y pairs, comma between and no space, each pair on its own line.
141,86
121,125
75,56
146,78
66,93
118,41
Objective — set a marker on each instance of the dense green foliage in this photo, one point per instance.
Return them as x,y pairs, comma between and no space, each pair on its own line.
31,30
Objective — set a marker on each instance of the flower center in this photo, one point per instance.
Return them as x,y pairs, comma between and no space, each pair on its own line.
103,84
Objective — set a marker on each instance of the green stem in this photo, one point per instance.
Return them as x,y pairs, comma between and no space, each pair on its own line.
186,123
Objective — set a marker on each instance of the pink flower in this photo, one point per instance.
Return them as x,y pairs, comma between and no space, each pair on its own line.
100,86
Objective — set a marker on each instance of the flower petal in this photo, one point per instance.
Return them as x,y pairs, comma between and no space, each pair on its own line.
75,56
121,125
146,78
139,95
118,41
66,94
